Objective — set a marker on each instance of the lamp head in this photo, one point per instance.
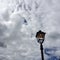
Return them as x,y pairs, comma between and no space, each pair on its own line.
40,36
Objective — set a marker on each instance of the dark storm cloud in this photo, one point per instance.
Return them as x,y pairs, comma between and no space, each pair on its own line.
3,58
2,30
2,34
54,35
2,45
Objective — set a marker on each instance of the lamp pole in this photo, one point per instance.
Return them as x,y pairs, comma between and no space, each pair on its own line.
41,48
40,39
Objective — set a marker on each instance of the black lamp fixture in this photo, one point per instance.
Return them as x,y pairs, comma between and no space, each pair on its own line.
40,39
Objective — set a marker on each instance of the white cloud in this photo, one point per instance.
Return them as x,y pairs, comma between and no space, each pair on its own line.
40,14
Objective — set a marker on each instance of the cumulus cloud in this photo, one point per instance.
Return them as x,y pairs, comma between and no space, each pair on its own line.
19,22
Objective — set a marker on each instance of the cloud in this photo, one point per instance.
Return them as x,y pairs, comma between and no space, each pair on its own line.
17,26
54,35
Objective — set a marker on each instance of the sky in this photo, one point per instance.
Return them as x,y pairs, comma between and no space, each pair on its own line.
19,22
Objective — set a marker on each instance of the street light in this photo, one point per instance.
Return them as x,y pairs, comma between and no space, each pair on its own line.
40,39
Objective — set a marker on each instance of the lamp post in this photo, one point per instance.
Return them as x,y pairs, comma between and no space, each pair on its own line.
40,39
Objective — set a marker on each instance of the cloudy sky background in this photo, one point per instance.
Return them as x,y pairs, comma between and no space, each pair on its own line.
19,22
